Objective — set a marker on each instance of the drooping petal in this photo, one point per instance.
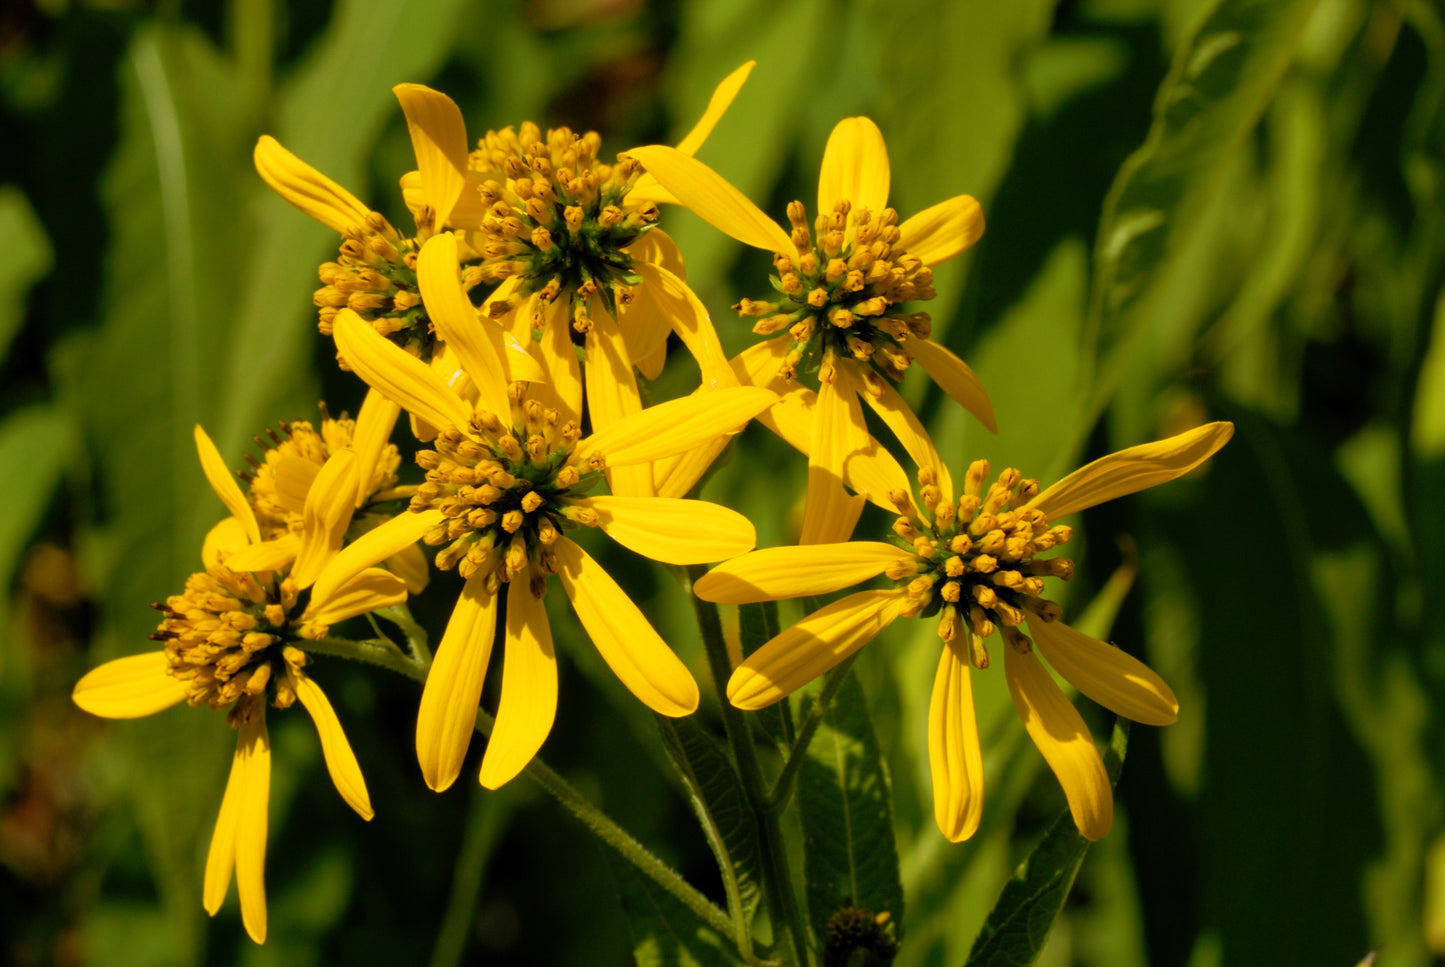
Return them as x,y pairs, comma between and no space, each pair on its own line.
674,426
688,317
254,752
272,555
410,565
224,540
292,475
439,138
373,547
900,418
340,760
955,378
359,594
1132,470
563,385
1061,735
373,429
397,374
225,485
650,365
673,530
954,758
328,513
876,474
453,688
712,198
306,188
811,647
612,396
939,233
629,645
838,432
1110,676
656,247
774,573
529,689
477,344
722,97
855,167
129,687
645,328
221,857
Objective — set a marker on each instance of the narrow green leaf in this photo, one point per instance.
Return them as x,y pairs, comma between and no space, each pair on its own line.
27,258
756,624
1020,922
845,800
665,933
35,445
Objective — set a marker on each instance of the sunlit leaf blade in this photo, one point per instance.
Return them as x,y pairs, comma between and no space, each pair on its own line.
845,801
1020,922
665,933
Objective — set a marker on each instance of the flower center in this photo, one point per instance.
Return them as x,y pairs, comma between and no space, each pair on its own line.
840,297
506,491
976,563
225,639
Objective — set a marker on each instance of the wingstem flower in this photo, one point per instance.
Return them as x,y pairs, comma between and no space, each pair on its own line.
975,564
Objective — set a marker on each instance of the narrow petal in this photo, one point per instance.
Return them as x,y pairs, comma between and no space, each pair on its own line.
629,645
645,324
688,317
675,426
129,687
1110,676
712,198
811,647
362,593
955,378
954,757
224,540
397,374
612,396
373,547
900,418
876,474
838,432
221,857
656,247
373,431
717,106
306,188
673,530
329,504
774,573
411,566
559,357
855,167
1061,735
650,365
254,750
225,485
453,688
939,233
439,138
340,760
292,475
1129,471
529,689
273,555
478,345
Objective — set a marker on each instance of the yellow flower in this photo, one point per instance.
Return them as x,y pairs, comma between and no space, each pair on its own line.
840,285
509,473
233,640
975,564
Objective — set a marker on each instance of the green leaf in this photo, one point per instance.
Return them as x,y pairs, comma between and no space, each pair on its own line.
1020,922
757,623
35,446
665,933
721,805
845,800
27,258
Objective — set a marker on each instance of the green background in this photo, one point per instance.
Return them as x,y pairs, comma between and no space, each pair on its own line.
1195,211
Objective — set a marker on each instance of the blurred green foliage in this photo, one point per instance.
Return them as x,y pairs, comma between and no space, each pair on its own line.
1195,210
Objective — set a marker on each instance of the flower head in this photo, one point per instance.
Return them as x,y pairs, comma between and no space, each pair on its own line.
977,565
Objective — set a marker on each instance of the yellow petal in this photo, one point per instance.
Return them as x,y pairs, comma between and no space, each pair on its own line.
855,167
954,758
722,97
900,418
712,199
647,189
293,474
656,247
529,689
939,233
563,383
838,432
1061,735
224,540
397,374
362,593
955,378
688,317
645,325
1129,471
629,645
1110,676
130,687
274,555
439,138
225,485
612,396
672,530
674,426
774,573
811,647
477,344
650,365
340,760
371,548
329,504
221,857
254,752
306,188
875,473
410,565
453,688
373,430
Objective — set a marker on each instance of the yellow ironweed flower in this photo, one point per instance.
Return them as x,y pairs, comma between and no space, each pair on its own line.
508,475
976,564
234,640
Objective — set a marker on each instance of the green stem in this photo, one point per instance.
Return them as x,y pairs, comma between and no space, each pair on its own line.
386,655
416,640
783,787
778,884
486,818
